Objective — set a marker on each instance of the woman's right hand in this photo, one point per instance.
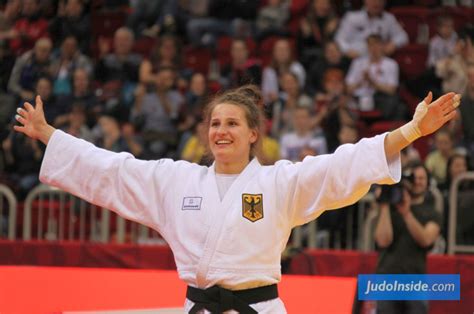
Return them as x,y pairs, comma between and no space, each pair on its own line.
33,123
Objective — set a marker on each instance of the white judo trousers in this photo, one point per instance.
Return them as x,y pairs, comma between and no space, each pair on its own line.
235,243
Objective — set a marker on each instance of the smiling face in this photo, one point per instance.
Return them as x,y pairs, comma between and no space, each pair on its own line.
230,138
420,182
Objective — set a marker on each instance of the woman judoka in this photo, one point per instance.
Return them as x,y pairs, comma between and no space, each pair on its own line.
227,224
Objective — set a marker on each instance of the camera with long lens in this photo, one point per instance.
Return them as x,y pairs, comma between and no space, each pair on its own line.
393,194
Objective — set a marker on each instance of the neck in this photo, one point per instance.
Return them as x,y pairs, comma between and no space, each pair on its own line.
375,58
302,132
470,92
416,200
446,154
239,63
231,167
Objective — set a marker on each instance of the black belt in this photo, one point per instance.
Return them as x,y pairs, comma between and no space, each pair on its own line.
217,300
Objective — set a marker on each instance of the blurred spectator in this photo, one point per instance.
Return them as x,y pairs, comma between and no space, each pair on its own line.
190,113
8,17
242,69
195,147
334,107
187,10
457,164
409,156
166,53
332,58
405,232
7,101
467,112
443,43
437,160
28,68
372,19
118,71
293,144
29,28
195,100
270,150
75,124
348,134
23,157
282,61
316,28
291,97
453,69
71,20
83,96
374,81
335,221
441,46
112,138
63,66
272,18
197,95
150,18
225,17
44,88
156,114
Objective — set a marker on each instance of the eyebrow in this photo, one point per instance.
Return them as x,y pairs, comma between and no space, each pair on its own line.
227,118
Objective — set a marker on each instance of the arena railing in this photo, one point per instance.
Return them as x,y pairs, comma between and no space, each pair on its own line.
7,194
53,214
459,220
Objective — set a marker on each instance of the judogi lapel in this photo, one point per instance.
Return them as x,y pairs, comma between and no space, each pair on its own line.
219,212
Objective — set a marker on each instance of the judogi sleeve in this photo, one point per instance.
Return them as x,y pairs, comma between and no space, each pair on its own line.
325,182
133,188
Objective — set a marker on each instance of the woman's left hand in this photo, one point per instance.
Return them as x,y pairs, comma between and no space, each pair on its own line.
430,116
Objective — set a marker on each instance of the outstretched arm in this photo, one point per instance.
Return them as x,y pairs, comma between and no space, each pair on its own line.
429,117
133,188
33,122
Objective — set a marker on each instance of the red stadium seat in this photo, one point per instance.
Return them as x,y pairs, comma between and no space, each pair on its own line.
298,7
214,86
411,60
144,46
197,59
411,18
105,23
426,3
409,99
423,145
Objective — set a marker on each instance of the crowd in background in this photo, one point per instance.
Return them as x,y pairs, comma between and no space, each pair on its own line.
327,69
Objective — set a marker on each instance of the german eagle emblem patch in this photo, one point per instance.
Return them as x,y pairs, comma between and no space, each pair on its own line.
252,206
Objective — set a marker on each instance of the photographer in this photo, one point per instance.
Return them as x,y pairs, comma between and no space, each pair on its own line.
407,227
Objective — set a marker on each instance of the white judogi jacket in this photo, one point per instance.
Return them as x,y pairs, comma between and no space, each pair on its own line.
212,240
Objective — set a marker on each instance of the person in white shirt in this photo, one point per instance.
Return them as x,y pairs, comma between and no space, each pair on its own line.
443,43
356,26
228,224
282,61
292,144
373,80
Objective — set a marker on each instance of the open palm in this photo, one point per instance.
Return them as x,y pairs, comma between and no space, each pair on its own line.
438,112
32,120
